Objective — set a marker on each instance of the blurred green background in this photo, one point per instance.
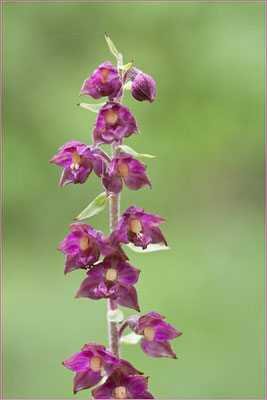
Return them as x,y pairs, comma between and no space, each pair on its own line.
206,128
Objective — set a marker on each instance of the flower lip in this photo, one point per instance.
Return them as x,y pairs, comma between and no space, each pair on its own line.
95,364
120,392
111,117
136,226
149,333
111,274
123,169
104,73
84,243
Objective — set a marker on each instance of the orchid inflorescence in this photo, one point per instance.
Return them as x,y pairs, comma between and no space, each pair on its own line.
113,278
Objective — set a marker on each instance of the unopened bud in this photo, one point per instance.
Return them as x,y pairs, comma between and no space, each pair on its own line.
143,87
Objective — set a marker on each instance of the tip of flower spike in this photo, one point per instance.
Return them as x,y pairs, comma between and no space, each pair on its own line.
175,357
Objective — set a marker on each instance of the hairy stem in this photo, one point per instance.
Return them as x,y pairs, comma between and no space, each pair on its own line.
114,214
123,327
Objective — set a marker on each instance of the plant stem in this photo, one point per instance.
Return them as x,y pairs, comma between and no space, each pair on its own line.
114,214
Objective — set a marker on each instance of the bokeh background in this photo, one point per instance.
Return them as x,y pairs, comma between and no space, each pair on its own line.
206,128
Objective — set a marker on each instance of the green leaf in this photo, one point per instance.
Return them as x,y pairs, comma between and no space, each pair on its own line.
150,248
129,150
111,46
115,315
91,107
127,86
125,67
132,338
98,205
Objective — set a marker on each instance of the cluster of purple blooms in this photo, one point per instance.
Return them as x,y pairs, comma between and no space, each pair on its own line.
113,277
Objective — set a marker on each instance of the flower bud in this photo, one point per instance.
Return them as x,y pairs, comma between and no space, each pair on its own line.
143,87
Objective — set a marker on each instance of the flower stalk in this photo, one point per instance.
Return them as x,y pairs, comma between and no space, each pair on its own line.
114,215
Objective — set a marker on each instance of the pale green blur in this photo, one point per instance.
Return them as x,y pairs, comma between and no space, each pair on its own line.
206,127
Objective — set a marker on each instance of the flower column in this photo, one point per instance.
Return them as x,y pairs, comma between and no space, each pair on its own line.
114,277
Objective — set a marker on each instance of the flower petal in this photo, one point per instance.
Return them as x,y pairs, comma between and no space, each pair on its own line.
104,391
77,362
63,158
88,288
85,379
70,245
128,297
128,275
71,263
146,395
156,235
137,181
112,184
72,144
65,178
157,349
137,386
164,331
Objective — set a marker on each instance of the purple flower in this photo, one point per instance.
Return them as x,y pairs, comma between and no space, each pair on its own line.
156,332
83,246
105,81
112,278
92,363
78,161
138,227
144,88
125,168
120,385
113,123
